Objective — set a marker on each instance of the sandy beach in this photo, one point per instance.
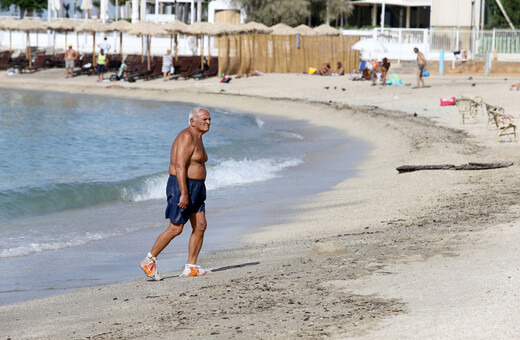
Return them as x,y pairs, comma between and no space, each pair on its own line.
427,254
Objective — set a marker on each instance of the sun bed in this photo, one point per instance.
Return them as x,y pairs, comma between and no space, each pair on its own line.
468,109
504,123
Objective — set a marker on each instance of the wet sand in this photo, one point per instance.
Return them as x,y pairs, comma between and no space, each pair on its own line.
428,254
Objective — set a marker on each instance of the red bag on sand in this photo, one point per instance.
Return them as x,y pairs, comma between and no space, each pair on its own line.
447,101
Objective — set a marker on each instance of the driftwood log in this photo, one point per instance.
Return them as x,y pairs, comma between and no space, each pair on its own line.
469,166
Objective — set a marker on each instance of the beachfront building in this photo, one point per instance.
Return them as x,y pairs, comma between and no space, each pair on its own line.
396,13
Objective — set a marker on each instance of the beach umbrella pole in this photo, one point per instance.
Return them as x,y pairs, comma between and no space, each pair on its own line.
121,44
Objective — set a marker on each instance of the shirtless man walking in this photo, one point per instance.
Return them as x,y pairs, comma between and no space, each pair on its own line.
70,57
186,193
421,64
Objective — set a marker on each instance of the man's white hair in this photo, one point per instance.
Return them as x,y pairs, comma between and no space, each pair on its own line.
194,114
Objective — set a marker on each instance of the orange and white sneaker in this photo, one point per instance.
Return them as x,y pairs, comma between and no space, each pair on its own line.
149,266
191,270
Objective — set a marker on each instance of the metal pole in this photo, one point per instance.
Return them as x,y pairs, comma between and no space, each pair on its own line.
441,62
383,15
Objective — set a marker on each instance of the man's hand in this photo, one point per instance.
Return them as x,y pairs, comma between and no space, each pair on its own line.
183,202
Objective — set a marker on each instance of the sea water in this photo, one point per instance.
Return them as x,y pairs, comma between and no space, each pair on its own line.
82,184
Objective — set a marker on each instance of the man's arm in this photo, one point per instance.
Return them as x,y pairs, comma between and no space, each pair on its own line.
183,155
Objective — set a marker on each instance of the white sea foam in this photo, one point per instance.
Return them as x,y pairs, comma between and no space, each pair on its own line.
31,248
226,173
232,173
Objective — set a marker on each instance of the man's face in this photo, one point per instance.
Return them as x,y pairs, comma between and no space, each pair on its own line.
202,121
415,50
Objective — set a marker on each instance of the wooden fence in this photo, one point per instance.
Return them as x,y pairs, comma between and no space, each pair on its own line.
281,53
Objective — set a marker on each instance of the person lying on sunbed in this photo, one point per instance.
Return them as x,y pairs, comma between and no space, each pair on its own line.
249,74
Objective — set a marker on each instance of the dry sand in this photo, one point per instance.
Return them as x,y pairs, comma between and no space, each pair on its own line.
429,254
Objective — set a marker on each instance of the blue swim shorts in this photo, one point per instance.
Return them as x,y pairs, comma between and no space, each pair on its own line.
197,196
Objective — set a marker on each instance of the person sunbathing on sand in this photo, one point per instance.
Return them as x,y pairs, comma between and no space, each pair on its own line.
379,72
325,69
514,87
249,74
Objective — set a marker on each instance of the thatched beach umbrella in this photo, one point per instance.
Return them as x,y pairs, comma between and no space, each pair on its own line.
255,27
10,25
200,29
62,25
326,30
30,25
174,28
148,29
283,29
305,30
92,26
120,26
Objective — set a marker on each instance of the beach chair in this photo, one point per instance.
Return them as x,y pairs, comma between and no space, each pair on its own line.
5,58
504,123
57,60
114,62
155,72
468,109
19,62
85,65
357,73
38,64
211,72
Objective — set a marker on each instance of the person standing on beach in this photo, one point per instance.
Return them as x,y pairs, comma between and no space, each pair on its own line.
104,45
70,57
101,61
167,65
421,64
186,193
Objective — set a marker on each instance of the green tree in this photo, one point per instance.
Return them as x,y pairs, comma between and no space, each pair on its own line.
327,11
496,18
271,12
25,6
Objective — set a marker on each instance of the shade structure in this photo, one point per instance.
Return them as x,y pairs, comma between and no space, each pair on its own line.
10,25
200,29
148,29
61,25
30,25
283,29
255,27
120,26
326,30
92,26
173,28
370,47
305,30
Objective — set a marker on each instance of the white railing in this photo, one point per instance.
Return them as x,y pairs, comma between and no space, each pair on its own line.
400,42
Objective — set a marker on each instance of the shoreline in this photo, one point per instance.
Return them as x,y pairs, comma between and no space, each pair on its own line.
302,278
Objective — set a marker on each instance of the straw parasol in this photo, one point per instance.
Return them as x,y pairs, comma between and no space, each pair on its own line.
174,28
283,29
10,25
119,26
142,28
305,30
326,30
255,27
201,29
29,25
92,26
61,25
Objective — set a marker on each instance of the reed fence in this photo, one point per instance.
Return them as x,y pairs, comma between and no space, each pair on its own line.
284,53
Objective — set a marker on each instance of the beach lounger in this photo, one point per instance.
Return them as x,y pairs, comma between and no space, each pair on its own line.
212,71
5,58
504,123
85,66
155,73
57,60
468,109
19,62
38,64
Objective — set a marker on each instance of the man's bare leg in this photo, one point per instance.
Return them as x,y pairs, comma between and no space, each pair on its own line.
198,223
165,238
